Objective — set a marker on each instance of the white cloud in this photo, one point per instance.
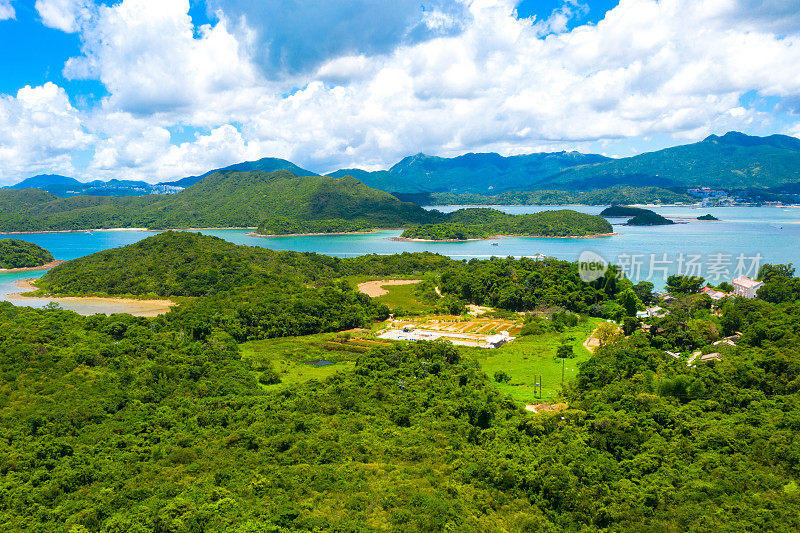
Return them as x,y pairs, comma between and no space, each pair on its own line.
6,10
64,15
132,148
39,131
153,60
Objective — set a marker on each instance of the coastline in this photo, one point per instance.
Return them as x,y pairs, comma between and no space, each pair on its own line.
137,307
594,236
318,234
90,230
45,266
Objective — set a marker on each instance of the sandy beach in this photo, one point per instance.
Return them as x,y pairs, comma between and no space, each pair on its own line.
87,305
365,232
45,266
70,231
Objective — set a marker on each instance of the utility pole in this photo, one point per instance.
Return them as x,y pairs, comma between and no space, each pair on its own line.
563,364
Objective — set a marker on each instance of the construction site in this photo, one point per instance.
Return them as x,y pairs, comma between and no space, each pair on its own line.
477,332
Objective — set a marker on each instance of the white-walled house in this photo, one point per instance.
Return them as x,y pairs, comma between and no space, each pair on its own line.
746,287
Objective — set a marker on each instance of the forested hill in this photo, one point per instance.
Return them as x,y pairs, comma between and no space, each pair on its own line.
731,161
481,223
265,164
16,253
223,199
182,263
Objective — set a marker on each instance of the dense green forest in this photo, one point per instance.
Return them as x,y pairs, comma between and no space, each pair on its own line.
134,424
16,253
605,196
223,199
480,223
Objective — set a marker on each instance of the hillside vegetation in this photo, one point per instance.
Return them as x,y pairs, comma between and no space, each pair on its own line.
732,161
484,223
638,216
606,196
16,253
224,199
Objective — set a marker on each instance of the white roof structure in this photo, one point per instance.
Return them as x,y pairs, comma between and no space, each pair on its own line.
748,283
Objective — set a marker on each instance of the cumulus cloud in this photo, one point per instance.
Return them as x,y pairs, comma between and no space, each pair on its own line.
152,59
6,10
299,36
133,148
64,15
39,131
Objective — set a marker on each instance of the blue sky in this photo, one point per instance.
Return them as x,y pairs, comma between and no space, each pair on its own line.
160,89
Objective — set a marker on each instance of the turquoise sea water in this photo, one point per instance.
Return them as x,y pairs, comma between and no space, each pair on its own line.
767,232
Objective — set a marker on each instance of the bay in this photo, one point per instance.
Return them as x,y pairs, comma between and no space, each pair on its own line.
719,249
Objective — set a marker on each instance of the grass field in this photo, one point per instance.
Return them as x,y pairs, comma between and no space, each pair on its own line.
402,297
521,359
528,356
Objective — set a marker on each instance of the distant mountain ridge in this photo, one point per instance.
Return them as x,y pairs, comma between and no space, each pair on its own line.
265,164
731,161
481,173
64,186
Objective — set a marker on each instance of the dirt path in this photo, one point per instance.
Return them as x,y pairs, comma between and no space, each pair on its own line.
375,288
88,305
545,407
592,342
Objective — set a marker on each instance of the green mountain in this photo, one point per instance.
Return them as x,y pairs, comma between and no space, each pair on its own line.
45,180
223,199
474,173
481,223
732,161
266,164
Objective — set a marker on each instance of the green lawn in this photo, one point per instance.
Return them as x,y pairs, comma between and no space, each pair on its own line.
402,297
527,356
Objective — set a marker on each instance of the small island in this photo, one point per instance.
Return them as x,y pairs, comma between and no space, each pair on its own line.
623,211
709,216
16,254
649,218
639,216
474,224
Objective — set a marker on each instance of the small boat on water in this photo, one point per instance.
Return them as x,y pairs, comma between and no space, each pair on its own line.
495,244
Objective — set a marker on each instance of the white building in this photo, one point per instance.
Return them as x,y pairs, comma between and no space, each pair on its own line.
746,287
